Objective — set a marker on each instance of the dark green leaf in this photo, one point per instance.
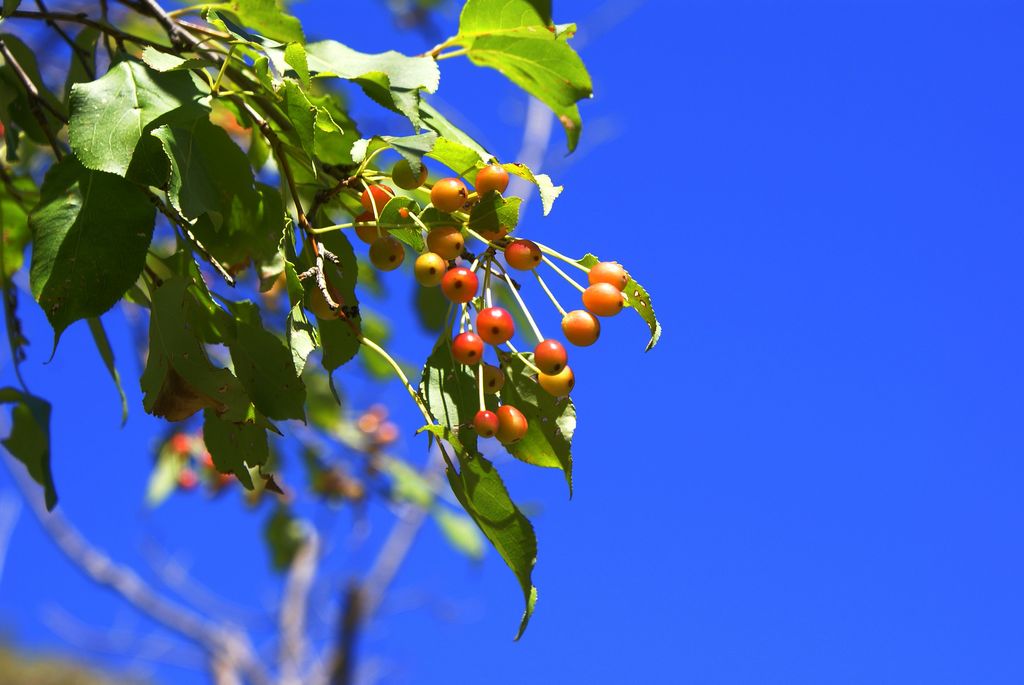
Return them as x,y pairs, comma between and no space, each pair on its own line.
638,299
412,148
450,392
295,56
236,446
8,7
90,234
460,531
493,212
435,121
285,536
99,336
83,58
15,108
110,115
402,227
29,441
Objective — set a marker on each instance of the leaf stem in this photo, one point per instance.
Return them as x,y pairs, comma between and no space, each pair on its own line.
223,68
401,376
522,356
453,53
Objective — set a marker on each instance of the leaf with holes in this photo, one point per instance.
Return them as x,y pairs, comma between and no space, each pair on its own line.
638,299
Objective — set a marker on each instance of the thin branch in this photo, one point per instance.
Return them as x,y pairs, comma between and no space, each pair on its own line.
76,49
293,610
35,100
10,511
84,20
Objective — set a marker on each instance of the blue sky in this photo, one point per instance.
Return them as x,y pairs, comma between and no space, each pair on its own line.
814,478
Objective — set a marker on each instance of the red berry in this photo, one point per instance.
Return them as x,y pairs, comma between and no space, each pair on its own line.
495,325
376,195
468,348
549,356
512,425
558,384
368,232
459,284
603,299
494,379
180,443
449,195
523,255
491,177
446,241
581,328
611,273
486,423
187,479
403,177
386,253
429,269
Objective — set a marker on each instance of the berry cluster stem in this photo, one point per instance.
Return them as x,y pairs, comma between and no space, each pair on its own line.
522,306
563,274
550,294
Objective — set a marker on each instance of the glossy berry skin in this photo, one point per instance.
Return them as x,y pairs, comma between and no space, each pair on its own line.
446,241
603,299
386,253
550,356
491,177
559,384
429,269
611,273
495,325
486,423
449,195
459,284
380,194
493,236
403,177
523,255
494,379
512,425
468,348
367,233
581,328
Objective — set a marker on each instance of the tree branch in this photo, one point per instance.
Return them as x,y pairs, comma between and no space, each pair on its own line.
294,605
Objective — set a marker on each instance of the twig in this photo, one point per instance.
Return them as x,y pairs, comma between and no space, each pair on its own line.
10,510
77,50
34,100
294,605
84,20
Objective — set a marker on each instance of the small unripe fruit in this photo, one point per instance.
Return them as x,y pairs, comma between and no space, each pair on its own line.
403,177
446,241
603,299
486,423
494,379
316,303
376,195
449,195
550,356
468,348
611,273
429,269
387,253
367,233
581,328
558,384
512,425
459,284
523,255
491,177
495,325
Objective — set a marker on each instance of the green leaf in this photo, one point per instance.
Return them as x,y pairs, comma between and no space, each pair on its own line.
339,338
411,148
493,212
265,17
638,299
161,61
264,365
302,336
295,57
90,234
547,189
403,228
163,479
458,157
179,379
15,107
29,440
435,121
407,485
284,536
460,532
552,421
83,58
450,392
8,7
430,306
15,203
99,336
517,38
236,446
390,78
110,115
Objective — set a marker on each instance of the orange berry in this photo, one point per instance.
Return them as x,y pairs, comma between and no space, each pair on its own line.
493,236
376,195
611,273
581,328
468,348
386,253
446,241
512,425
550,356
558,384
429,269
491,177
459,284
368,232
494,379
603,299
495,325
449,195
523,255
403,177
316,303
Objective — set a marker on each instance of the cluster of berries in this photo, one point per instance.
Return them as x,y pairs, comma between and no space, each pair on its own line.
437,266
196,460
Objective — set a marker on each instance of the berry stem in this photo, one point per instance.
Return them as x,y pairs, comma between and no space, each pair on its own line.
223,67
487,281
367,160
373,203
482,239
558,255
526,310
550,294
522,356
563,274
401,376
480,385
328,229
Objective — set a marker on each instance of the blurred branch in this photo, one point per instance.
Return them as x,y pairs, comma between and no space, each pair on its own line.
536,138
10,511
294,605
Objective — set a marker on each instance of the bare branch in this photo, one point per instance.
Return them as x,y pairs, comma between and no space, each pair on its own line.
294,605
10,511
